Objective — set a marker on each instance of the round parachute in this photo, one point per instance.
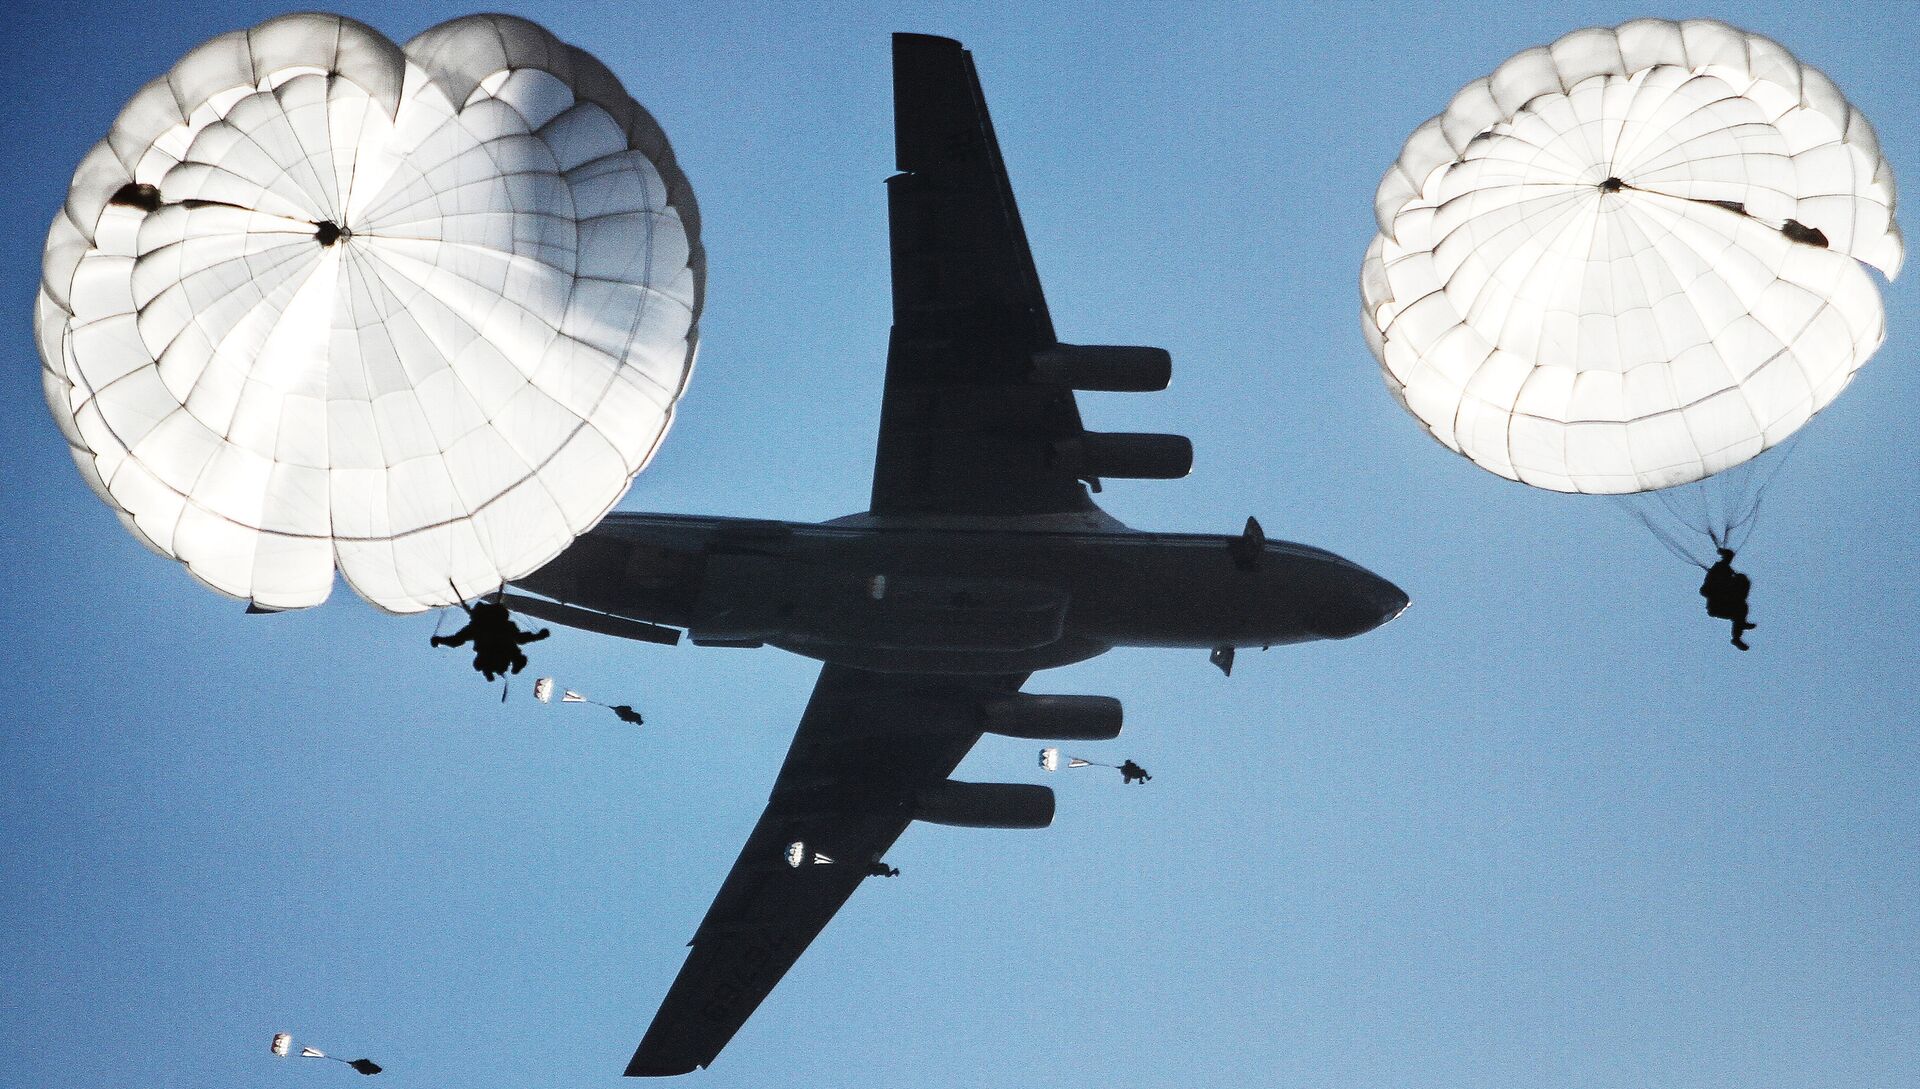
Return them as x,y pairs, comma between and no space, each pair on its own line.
421,314
1630,259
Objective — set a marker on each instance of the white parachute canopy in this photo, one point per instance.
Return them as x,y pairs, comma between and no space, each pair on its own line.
419,313
1630,259
543,689
282,1042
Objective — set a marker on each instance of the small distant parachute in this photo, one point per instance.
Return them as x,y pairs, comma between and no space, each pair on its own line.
417,313
1632,260
543,690
1130,772
1050,761
798,855
283,1043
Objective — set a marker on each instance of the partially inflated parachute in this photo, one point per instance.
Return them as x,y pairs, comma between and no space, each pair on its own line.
544,688
798,854
283,1045
1050,761
419,313
1630,259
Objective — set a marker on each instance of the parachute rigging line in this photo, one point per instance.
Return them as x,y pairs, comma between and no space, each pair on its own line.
1661,533
1740,530
441,621
1724,508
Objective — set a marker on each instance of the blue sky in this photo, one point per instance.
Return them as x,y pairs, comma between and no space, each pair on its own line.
1547,829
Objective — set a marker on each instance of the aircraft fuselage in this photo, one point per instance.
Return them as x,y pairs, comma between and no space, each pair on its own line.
961,595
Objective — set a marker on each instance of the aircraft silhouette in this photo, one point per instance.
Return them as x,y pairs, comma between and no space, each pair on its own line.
982,559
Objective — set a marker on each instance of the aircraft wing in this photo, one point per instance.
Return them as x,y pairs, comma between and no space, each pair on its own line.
869,749
970,423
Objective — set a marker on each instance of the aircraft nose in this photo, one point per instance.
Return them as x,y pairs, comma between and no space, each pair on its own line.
1365,602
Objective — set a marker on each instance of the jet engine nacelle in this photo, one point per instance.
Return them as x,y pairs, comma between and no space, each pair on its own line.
1105,367
1127,455
985,805
1036,717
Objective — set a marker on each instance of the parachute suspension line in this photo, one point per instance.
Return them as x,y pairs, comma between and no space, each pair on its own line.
1700,518
442,621
1722,509
1740,529
1661,533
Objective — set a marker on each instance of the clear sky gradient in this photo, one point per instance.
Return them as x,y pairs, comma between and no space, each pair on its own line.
1547,829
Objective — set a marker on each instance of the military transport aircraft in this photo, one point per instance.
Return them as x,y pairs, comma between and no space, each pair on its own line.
982,560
